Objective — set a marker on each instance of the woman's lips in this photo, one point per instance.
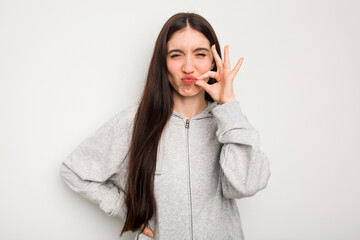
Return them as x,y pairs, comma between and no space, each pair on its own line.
188,79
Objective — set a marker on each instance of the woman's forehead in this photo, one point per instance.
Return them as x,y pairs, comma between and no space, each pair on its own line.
188,38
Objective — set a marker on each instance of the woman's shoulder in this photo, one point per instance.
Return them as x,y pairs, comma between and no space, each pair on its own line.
125,116
127,113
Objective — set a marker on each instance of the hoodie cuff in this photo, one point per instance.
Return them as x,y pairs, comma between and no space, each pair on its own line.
110,200
229,115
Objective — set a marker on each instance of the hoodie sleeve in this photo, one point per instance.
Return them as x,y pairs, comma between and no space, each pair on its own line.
91,169
244,168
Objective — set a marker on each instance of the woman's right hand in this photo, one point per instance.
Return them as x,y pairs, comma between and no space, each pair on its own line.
147,231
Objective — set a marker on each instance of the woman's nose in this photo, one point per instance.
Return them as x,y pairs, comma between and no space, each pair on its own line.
188,65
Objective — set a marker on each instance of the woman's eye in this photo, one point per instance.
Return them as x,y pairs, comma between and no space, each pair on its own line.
201,54
175,55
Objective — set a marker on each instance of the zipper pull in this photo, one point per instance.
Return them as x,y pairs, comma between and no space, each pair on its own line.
187,123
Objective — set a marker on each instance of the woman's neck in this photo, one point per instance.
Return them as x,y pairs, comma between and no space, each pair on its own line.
189,107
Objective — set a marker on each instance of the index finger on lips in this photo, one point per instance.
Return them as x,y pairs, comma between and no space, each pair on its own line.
211,74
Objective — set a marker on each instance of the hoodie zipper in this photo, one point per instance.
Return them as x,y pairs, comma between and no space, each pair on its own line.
187,139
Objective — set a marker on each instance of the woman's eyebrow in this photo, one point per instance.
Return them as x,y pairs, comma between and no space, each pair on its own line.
202,49
197,49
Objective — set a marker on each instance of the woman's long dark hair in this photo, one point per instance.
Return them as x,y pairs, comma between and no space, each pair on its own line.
154,111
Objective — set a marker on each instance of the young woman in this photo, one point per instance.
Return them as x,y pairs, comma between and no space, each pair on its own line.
173,165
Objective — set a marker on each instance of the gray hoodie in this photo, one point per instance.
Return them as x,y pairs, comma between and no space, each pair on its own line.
203,165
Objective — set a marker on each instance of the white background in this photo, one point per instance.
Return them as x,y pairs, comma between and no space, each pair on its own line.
66,67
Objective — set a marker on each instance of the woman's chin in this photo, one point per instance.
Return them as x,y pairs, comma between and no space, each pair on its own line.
190,92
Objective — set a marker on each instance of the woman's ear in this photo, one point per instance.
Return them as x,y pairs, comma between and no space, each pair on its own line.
212,65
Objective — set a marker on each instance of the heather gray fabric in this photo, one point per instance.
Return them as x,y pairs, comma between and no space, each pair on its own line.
202,167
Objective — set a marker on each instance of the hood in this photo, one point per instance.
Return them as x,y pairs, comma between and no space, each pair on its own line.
207,112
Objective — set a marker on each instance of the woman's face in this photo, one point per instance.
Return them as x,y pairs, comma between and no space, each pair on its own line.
188,56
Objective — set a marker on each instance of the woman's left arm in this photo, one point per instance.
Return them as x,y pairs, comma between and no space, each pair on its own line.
245,169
